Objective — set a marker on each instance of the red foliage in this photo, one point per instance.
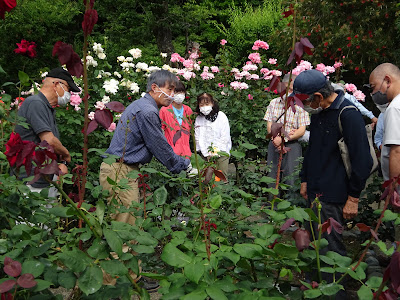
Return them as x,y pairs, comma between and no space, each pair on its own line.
329,224
301,238
67,56
89,20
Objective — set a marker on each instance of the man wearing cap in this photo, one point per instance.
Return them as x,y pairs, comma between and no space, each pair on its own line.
38,111
323,174
296,123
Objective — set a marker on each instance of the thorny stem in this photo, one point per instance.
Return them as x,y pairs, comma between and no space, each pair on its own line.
318,244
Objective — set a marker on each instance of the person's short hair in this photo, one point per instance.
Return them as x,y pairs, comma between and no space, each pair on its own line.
209,98
180,87
326,91
161,78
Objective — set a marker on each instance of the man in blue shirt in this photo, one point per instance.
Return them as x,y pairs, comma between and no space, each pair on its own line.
137,138
323,171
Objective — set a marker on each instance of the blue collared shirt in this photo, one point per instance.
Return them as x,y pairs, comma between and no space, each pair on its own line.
323,168
140,136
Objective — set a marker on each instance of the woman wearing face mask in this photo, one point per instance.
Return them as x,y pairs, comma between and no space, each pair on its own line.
212,129
175,120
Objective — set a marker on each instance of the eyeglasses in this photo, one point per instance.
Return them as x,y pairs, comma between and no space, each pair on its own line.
66,85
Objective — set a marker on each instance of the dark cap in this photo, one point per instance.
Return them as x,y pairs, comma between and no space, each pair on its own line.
309,82
64,75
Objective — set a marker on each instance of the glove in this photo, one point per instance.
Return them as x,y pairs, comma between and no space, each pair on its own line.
190,171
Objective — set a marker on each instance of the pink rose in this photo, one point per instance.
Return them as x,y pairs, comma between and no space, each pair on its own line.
250,97
75,99
112,127
337,65
359,95
214,69
223,42
255,57
260,44
350,87
272,61
321,68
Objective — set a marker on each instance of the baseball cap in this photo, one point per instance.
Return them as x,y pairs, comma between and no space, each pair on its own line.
64,75
309,82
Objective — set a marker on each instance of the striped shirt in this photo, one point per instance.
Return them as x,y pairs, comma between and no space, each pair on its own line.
293,120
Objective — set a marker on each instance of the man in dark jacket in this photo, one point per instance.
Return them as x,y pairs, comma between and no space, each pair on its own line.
323,171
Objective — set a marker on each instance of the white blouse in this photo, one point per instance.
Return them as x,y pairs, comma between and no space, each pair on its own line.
216,133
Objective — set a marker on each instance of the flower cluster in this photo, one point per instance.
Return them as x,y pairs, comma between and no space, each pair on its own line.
26,48
98,49
260,44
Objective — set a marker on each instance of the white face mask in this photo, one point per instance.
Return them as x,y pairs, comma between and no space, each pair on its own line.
178,98
171,98
382,107
205,110
311,110
64,100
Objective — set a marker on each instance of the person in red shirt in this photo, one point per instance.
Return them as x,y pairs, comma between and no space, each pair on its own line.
175,121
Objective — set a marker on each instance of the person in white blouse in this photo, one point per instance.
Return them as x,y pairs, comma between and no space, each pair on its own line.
212,131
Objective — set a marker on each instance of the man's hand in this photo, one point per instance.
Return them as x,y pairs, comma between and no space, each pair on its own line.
63,168
303,190
350,210
190,171
374,120
277,141
67,158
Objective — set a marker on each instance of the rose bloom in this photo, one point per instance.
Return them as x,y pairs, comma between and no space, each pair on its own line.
112,127
321,68
329,70
26,48
359,95
91,115
135,52
272,61
350,87
100,105
223,42
214,69
337,65
163,54
175,57
250,97
250,67
75,99
260,44
220,85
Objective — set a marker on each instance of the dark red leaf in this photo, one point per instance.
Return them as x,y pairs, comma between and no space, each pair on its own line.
7,285
49,169
287,224
335,225
387,183
298,102
301,238
103,117
89,20
388,295
91,3
63,51
12,267
177,136
363,227
207,173
26,281
274,83
307,50
115,106
298,47
288,13
395,270
306,42
36,178
291,103
185,131
220,175
75,66
276,128
291,57
92,126
385,193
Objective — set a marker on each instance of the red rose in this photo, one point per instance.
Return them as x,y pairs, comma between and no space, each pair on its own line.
26,48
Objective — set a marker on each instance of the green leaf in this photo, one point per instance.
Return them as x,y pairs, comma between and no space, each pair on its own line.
61,211
75,260
283,205
41,285
330,288
91,280
267,180
249,146
67,279
328,270
175,257
2,70
341,261
266,230
216,201
389,216
194,271
311,294
98,249
23,77
114,267
100,209
160,196
195,295
33,267
248,250
114,241
365,293
286,251
143,249
231,256
298,213
374,282
216,293
238,154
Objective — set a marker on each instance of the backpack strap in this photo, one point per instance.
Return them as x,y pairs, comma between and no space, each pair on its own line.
339,121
